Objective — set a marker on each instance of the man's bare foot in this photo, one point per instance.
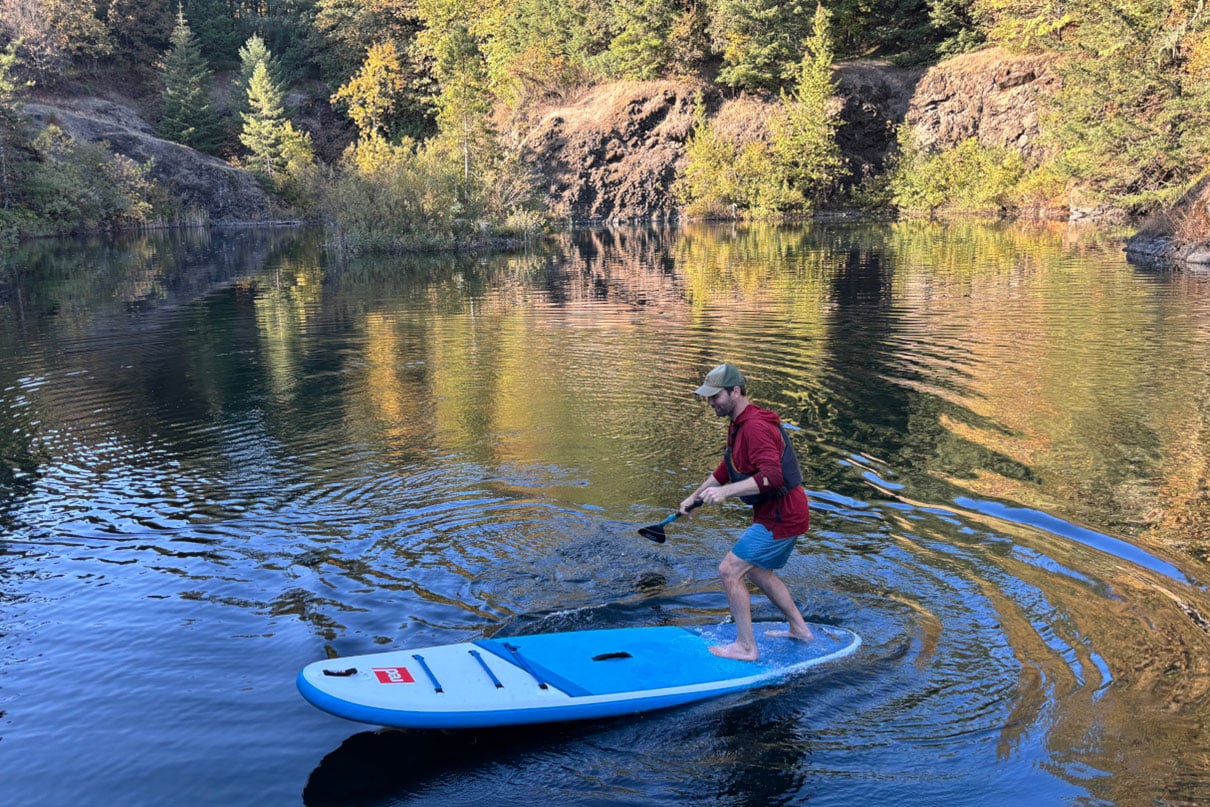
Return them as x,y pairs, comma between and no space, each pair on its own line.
790,634
735,651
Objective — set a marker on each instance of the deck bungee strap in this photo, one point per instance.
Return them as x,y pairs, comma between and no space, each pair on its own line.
424,666
486,669
525,665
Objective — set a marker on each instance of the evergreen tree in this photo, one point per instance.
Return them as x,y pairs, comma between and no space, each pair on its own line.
707,186
286,26
140,30
14,139
956,20
218,32
641,48
1128,121
267,133
187,115
532,47
252,53
909,30
464,105
341,29
804,131
760,40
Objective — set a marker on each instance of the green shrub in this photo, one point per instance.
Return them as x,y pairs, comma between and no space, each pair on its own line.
969,178
386,197
82,186
706,187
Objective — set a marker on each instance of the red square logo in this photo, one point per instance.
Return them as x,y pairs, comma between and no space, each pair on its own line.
394,675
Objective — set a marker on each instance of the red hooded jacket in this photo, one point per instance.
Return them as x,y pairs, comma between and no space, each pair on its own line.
756,448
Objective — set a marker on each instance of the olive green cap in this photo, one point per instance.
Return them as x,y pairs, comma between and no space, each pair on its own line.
720,378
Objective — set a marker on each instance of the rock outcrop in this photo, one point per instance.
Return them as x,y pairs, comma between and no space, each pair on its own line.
613,153
197,182
876,97
991,95
1179,235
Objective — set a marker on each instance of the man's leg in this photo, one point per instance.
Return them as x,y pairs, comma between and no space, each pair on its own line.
776,591
733,571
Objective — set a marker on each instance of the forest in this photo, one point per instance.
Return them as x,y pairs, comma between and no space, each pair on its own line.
428,90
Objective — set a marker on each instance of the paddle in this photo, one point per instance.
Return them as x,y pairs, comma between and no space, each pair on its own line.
656,531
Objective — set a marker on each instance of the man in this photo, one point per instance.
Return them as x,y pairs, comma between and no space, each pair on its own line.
758,466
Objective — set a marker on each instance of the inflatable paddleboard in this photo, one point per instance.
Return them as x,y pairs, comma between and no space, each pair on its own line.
557,676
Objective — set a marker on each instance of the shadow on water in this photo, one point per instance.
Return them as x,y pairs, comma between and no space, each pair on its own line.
383,767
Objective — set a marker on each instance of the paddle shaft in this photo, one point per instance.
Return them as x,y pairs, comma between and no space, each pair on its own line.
696,504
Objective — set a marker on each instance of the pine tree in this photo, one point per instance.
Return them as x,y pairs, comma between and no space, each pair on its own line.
464,106
14,140
640,50
279,151
187,116
760,40
804,132
707,187
264,123
216,24
251,53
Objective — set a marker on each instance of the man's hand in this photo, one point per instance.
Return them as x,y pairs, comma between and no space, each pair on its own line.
689,503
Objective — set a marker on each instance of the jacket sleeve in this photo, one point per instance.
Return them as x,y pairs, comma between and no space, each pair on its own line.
720,473
763,450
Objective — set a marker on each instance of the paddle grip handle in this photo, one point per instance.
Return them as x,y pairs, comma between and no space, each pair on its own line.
696,504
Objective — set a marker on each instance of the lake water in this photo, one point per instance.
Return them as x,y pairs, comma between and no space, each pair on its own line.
224,455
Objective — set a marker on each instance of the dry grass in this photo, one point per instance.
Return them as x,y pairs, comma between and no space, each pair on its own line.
744,120
1190,217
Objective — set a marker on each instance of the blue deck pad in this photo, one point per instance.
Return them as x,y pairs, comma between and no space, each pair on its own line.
639,659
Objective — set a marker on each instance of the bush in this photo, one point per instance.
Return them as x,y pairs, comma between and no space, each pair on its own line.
82,186
969,178
706,188
386,197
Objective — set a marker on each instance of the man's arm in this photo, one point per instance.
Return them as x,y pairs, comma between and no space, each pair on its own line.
713,492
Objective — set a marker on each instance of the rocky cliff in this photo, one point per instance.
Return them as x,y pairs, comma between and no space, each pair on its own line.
613,151
991,95
199,183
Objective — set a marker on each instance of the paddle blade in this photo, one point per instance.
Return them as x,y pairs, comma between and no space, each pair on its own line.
654,533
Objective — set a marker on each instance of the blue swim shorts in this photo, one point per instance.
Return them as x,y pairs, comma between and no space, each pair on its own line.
758,547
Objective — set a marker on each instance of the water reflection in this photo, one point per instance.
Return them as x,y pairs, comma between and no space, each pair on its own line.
237,442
